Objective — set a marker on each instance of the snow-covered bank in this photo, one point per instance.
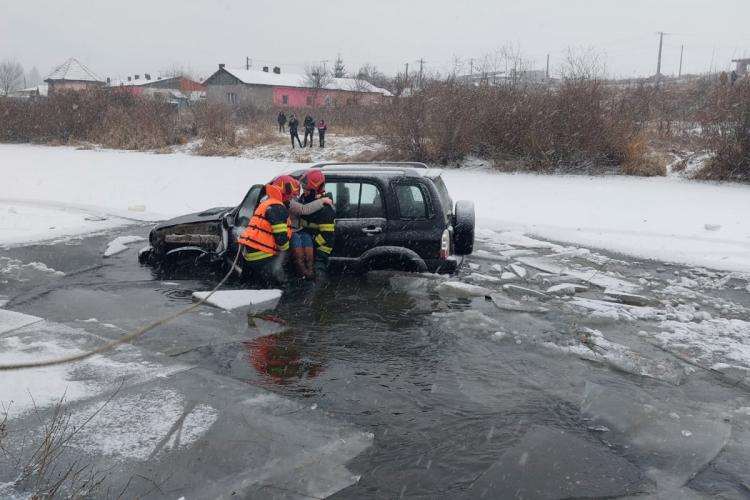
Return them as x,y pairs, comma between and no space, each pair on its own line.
667,218
22,221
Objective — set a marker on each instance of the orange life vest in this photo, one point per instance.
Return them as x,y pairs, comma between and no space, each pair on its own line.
259,233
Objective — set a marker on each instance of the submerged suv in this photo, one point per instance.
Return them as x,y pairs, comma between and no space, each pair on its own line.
388,216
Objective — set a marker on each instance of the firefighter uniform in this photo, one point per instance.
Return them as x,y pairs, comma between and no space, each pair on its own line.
264,243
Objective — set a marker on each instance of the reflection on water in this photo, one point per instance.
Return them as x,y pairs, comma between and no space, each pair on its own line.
278,358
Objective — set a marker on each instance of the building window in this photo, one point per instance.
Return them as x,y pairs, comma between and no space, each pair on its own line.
231,98
285,99
309,100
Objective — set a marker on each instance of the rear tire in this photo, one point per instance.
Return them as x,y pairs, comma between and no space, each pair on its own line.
463,229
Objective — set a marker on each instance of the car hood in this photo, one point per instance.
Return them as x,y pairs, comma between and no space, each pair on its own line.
210,215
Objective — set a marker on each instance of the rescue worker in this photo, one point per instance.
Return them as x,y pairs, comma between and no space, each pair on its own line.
322,132
293,125
302,241
321,224
309,124
265,240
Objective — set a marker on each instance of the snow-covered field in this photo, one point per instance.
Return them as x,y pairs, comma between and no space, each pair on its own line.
668,219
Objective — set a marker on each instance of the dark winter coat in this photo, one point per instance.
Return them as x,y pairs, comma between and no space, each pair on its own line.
281,118
293,124
309,124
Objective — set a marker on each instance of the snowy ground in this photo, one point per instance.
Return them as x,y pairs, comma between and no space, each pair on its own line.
669,219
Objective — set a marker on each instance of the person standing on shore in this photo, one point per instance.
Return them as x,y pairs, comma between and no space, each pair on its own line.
282,121
293,126
322,127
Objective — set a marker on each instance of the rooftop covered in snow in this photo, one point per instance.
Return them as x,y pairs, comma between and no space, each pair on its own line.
73,70
257,77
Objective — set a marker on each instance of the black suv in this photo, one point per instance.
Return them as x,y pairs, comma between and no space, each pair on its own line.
388,216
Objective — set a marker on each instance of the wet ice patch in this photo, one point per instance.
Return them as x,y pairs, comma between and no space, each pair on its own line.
17,270
45,386
466,322
10,320
603,310
643,424
592,345
120,244
708,343
258,300
598,277
461,289
550,463
140,426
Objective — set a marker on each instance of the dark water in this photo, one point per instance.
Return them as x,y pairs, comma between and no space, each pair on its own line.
448,401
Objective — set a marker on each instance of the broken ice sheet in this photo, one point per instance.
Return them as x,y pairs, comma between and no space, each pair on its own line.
258,300
643,424
594,347
548,463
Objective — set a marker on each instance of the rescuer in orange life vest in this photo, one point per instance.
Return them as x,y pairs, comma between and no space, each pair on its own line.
265,240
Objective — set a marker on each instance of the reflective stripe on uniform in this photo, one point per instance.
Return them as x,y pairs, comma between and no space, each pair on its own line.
284,247
327,227
322,244
279,228
255,256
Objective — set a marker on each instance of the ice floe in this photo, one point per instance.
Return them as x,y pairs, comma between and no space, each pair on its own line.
120,244
259,300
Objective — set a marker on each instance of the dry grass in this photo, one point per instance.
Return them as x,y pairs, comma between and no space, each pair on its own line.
260,135
640,160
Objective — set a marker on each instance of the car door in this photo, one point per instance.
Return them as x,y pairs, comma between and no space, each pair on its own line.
240,217
414,224
360,216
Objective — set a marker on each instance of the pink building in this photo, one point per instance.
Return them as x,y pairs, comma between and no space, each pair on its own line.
267,89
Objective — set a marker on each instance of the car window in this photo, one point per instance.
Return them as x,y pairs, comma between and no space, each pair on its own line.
445,198
248,206
411,202
356,200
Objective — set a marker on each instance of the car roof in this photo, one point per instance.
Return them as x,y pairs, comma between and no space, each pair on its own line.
389,169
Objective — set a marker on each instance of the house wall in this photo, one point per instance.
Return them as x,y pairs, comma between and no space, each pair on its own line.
260,96
298,97
63,85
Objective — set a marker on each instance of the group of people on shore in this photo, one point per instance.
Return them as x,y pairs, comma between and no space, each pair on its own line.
308,124
293,217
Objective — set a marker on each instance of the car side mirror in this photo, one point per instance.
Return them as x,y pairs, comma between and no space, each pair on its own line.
229,220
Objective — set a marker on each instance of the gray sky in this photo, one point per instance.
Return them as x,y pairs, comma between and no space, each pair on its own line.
118,38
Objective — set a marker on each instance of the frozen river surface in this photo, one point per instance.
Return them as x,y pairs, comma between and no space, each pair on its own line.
540,371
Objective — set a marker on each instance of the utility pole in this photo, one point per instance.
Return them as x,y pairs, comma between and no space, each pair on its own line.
658,63
471,67
546,73
325,71
682,48
406,75
248,62
421,64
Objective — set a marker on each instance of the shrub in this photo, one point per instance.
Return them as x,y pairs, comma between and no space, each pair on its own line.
726,130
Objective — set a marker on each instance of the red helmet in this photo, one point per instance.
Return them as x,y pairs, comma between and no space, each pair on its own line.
283,188
313,180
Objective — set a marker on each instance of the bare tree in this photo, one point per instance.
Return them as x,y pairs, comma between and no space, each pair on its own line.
11,75
583,64
339,70
176,70
372,74
317,77
34,78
